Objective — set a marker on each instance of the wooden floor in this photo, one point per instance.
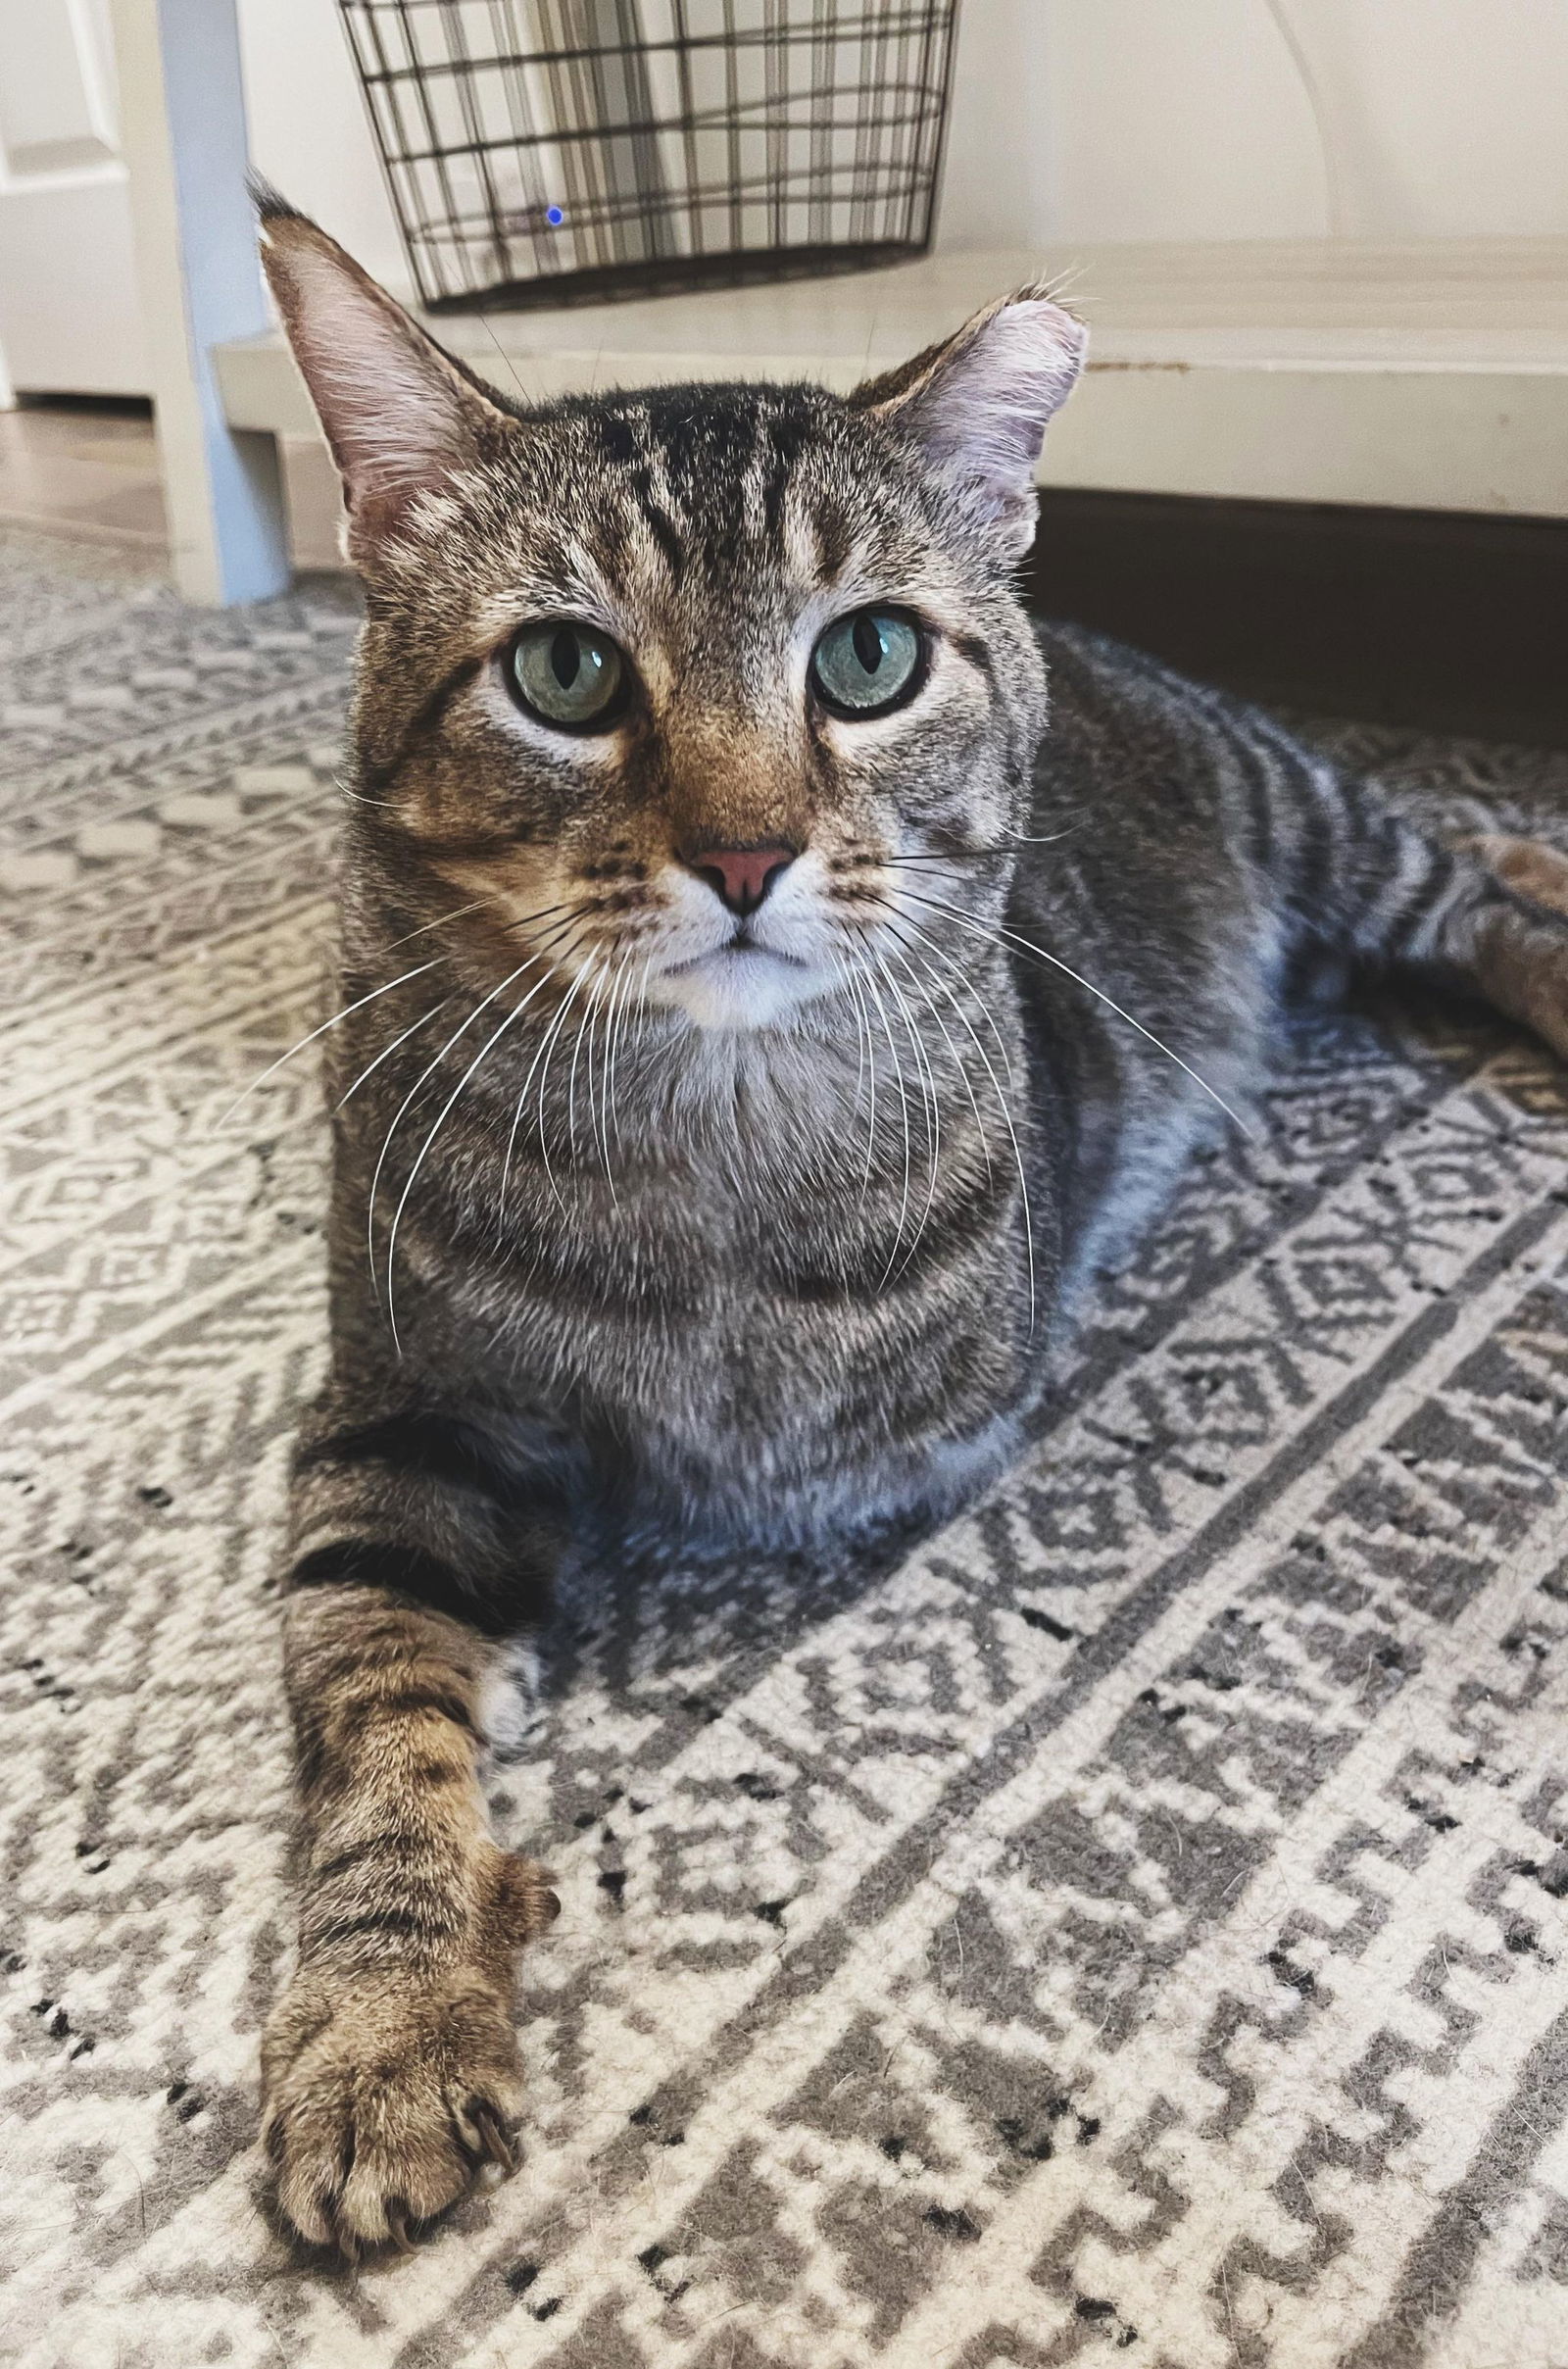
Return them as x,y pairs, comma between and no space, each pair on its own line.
86,468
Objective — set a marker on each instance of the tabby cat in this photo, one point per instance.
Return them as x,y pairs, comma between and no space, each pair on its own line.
776,974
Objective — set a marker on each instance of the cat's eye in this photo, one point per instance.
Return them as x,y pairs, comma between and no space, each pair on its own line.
570,675
868,661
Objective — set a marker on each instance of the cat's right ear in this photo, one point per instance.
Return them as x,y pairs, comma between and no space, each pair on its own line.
401,418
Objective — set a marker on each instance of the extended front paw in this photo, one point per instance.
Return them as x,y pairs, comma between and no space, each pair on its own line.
385,2095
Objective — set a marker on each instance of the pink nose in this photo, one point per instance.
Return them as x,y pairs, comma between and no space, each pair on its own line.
740,875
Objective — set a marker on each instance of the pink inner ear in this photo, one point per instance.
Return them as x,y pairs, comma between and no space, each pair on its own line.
984,412
390,419
398,419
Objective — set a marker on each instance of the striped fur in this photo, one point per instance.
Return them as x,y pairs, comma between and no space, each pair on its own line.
629,1244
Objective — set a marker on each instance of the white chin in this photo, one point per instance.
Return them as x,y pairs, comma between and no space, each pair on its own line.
739,987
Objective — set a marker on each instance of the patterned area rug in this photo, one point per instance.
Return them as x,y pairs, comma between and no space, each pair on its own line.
1136,1929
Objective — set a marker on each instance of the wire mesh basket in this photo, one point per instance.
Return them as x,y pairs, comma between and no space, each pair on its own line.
551,151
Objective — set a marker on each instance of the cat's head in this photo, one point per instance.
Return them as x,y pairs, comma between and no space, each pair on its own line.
714,686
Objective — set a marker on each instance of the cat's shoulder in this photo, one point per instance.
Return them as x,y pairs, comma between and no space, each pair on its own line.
1091,668
1109,694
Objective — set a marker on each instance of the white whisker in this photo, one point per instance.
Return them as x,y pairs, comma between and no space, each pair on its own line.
412,1094
445,1112
904,1102
589,1019
429,1071
638,1014
619,987
1028,946
386,1051
868,1071
346,1013
936,957
1042,838
958,1062
1012,1137
1017,1157
986,1012
438,924
522,1096
845,979
947,963
585,974
384,805
926,1080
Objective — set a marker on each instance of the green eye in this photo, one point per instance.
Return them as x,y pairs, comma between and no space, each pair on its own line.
868,661
570,675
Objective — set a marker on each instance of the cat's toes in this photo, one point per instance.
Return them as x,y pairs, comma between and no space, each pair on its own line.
385,2100
1529,867
1517,957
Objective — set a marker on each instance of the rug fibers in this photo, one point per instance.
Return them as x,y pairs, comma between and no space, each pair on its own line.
1136,1928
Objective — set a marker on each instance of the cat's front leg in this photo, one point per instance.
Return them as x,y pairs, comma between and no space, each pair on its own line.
389,2066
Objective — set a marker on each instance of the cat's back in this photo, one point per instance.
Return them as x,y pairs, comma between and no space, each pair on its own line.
1147,956
1143,736
1145,811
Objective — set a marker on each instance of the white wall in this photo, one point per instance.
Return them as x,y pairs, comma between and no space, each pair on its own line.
1087,120
308,133
1449,117
1078,121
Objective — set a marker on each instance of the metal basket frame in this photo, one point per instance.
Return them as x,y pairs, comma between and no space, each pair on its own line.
545,152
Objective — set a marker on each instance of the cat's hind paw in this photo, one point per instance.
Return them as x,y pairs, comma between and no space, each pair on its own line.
1529,867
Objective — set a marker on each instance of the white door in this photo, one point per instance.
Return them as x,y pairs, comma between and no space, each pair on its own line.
68,316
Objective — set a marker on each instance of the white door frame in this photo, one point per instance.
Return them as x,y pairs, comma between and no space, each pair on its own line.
183,119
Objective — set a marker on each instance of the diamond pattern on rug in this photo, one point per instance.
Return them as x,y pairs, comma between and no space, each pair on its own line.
1137,1927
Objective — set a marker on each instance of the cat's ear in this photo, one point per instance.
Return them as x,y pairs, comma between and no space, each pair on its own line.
978,404
401,417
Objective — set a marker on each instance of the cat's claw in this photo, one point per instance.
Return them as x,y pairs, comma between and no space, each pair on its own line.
498,2145
385,2102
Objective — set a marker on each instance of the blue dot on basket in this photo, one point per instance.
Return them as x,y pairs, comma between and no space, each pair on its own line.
554,216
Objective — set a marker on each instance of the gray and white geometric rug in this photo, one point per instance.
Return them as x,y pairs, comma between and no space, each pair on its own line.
1136,1929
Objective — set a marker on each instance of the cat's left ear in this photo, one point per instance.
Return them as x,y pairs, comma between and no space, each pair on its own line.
979,402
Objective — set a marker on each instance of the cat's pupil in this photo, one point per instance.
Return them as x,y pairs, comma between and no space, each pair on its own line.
868,661
869,647
565,658
566,674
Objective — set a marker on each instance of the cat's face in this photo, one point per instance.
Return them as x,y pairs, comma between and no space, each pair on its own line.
706,670
703,695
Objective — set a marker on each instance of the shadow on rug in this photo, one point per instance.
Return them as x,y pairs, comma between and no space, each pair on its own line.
1135,1927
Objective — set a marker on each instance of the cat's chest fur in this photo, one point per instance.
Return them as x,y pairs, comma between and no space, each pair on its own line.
758,1315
